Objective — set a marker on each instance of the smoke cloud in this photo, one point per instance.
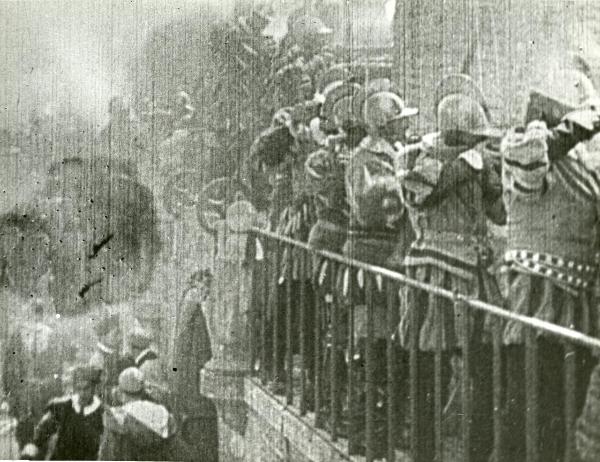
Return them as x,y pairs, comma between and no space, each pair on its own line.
65,58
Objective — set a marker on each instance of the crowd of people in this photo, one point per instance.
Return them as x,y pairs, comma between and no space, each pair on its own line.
506,216
118,403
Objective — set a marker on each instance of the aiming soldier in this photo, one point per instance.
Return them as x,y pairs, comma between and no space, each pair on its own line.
550,179
451,190
325,170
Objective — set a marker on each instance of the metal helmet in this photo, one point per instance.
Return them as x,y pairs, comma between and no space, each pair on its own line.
337,107
373,86
306,27
383,107
460,84
461,113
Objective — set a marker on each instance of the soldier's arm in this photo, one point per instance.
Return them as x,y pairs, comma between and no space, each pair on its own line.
492,194
451,176
565,136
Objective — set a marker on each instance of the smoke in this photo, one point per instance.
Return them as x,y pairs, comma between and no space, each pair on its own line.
67,58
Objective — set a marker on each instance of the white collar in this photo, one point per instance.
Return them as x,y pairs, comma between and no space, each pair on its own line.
141,355
104,349
87,410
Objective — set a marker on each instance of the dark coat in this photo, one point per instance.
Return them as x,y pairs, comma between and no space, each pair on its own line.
79,430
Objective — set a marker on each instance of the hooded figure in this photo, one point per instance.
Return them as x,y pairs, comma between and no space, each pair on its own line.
139,429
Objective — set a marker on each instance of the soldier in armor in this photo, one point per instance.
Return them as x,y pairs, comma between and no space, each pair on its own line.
551,192
378,227
451,190
325,170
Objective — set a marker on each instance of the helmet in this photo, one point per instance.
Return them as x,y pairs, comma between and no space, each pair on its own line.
305,27
460,84
383,107
337,107
333,74
373,86
459,112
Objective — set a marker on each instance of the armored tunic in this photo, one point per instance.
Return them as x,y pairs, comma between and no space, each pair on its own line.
552,201
452,188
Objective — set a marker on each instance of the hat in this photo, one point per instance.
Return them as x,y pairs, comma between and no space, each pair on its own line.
384,107
140,338
307,26
370,88
461,113
460,84
338,101
131,381
88,374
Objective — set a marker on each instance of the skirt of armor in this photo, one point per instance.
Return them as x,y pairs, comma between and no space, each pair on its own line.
542,298
435,317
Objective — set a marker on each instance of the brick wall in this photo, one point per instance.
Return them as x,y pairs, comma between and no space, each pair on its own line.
514,42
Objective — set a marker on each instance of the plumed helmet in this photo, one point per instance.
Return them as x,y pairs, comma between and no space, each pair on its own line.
337,107
383,107
459,84
461,113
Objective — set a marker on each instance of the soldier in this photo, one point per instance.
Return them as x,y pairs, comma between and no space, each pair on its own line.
550,178
378,227
451,190
325,170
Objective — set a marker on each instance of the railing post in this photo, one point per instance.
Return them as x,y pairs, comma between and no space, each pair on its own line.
437,388
333,369
276,353
370,370
392,386
353,443
264,368
415,431
532,393
289,356
497,384
318,359
302,303
570,391
466,392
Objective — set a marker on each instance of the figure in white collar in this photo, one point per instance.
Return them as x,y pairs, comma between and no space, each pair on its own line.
74,421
